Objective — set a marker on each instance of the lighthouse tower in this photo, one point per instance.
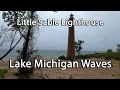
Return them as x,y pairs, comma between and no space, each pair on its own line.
71,41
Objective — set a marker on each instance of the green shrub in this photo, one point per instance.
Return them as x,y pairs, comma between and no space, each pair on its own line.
62,57
24,73
82,56
67,58
71,77
2,73
105,55
109,50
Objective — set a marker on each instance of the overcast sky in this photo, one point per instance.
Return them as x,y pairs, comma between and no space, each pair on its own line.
96,38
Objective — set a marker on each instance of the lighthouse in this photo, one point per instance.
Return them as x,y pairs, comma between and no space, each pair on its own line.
71,41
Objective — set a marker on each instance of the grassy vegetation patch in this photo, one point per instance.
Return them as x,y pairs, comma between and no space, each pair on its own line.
105,55
2,73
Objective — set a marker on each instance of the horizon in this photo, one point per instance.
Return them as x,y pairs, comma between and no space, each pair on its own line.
61,50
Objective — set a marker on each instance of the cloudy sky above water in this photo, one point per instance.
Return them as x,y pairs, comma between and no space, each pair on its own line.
96,38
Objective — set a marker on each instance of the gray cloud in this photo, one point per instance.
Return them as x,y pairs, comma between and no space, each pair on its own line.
98,38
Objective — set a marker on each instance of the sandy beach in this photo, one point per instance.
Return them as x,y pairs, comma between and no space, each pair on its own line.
69,73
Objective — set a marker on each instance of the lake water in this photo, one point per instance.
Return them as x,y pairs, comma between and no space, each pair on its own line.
46,54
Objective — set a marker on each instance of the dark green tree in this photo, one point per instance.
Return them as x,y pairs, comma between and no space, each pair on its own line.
27,48
78,46
118,47
27,32
10,17
109,50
